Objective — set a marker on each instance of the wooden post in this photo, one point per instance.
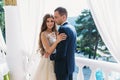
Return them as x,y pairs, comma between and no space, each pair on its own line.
10,2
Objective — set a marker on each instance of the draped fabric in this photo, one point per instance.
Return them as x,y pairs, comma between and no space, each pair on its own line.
106,14
22,24
2,42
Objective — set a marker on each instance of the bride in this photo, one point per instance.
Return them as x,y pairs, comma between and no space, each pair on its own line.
48,40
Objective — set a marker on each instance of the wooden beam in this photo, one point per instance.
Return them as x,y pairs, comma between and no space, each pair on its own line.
10,2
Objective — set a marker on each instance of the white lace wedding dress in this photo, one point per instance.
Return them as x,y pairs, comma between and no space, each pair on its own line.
45,70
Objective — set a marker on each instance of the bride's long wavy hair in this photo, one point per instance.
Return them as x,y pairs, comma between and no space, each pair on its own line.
44,28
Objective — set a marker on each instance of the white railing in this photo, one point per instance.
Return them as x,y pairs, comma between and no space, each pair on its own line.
107,67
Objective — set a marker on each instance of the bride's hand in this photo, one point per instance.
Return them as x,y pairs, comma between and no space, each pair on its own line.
61,36
46,55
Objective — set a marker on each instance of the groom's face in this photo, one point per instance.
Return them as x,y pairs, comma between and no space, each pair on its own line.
58,18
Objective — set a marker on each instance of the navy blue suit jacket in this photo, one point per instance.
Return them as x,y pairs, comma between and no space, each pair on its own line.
64,56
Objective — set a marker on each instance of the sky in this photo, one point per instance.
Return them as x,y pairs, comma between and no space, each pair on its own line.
74,7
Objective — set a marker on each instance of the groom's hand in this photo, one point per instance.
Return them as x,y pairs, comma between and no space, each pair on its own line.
52,57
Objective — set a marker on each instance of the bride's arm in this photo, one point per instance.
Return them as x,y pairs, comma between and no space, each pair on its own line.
49,49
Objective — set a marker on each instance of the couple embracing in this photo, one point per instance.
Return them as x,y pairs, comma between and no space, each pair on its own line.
56,47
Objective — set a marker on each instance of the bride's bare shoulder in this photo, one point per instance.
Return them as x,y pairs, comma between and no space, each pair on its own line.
43,33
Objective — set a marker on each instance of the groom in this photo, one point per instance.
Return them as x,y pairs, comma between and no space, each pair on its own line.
64,56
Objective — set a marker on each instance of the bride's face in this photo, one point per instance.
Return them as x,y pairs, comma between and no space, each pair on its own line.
50,23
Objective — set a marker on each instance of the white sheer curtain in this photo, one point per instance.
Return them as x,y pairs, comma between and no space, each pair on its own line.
14,43
2,42
30,17
22,29
3,65
2,49
106,14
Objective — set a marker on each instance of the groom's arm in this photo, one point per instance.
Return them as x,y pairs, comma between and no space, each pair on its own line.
52,57
62,46
61,50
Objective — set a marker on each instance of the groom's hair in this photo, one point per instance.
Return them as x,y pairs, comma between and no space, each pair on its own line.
62,11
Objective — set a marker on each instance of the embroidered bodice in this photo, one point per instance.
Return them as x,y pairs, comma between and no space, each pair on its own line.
51,38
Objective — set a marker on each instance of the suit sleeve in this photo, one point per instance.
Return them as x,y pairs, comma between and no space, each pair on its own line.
62,46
